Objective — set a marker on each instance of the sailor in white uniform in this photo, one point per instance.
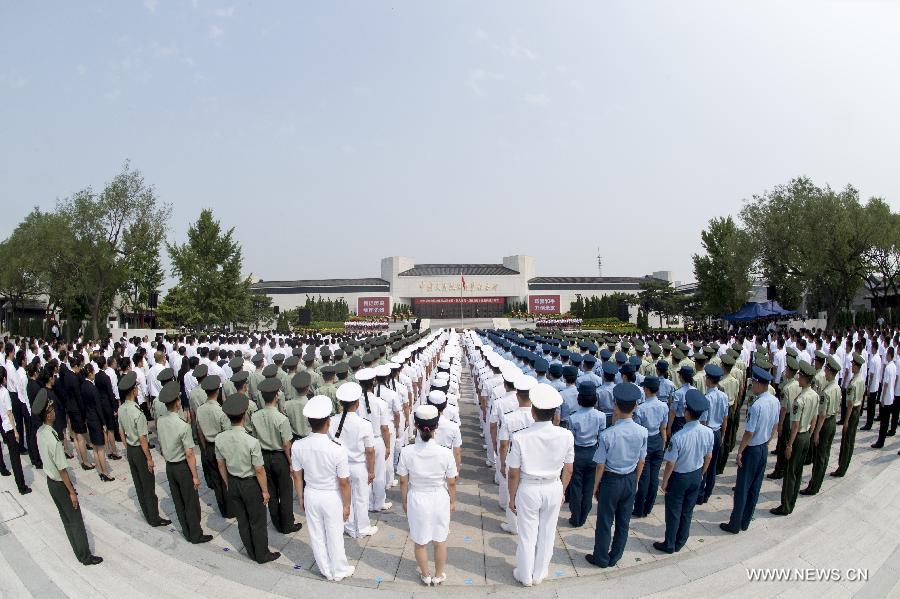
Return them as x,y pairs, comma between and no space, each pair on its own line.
323,465
355,435
448,433
428,487
376,411
539,467
511,424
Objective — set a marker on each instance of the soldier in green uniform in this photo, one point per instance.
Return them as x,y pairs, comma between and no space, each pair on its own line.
341,372
818,385
59,483
790,390
309,361
211,421
177,447
133,429
355,363
730,386
256,378
293,408
236,365
159,408
327,388
275,436
197,396
856,391
823,434
803,410
240,463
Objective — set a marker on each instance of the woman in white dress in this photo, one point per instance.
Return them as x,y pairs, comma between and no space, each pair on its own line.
428,487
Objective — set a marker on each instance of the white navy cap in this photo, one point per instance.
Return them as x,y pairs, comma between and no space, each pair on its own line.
348,392
319,406
544,397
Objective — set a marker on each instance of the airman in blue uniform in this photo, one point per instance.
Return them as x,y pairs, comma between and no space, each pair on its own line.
687,458
605,402
652,415
676,407
762,420
586,424
569,394
716,419
620,459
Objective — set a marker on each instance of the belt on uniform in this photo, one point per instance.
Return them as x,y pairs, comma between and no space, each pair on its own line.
273,451
594,446
309,487
184,461
616,474
230,475
526,478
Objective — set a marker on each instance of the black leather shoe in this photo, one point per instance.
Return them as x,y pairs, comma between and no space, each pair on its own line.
5,473
162,522
92,560
106,478
839,474
293,528
778,511
86,467
270,557
807,492
775,475
660,546
865,428
724,526
203,539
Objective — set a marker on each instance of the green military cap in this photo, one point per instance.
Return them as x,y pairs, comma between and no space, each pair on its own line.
279,357
240,377
737,347
697,345
127,382
666,344
200,371
269,385
170,392
257,358
626,346
715,346
327,370
792,363
859,360
655,349
727,360
382,350
678,354
700,356
682,346
339,354
236,362
820,355
792,352
709,351
270,371
833,364
734,355
41,401
341,368
325,351
763,362
236,404
165,375
291,361
807,369
297,351
211,383
355,362
301,380
639,346
309,357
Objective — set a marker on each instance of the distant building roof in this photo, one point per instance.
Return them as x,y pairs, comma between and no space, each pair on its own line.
586,283
432,270
321,286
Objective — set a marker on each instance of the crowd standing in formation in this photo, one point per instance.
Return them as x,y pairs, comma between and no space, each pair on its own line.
333,422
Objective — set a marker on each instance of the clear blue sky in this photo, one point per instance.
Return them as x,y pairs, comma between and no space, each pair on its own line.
331,134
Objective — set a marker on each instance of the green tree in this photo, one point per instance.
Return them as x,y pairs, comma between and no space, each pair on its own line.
657,296
143,270
723,272
99,225
258,312
813,239
882,260
210,288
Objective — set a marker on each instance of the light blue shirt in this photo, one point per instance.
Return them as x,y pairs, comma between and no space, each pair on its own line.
718,409
622,446
678,402
589,376
543,379
570,402
558,384
586,424
762,418
689,447
666,389
651,414
605,401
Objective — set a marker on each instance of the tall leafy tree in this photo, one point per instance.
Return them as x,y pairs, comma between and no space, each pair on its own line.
100,224
143,269
882,260
210,288
723,271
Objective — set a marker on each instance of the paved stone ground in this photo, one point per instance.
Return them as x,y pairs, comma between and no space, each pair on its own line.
851,524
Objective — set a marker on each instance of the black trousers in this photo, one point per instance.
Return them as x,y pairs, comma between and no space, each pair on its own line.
187,502
581,487
709,479
144,485
213,478
821,452
19,413
749,480
281,490
245,502
15,461
871,402
681,497
32,424
848,440
793,472
71,519
648,485
614,506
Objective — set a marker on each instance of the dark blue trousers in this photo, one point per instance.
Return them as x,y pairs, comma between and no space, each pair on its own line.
615,502
709,481
681,496
581,487
746,490
648,486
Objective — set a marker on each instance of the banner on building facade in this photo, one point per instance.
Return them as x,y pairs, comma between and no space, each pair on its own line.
543,304
421,301
373,306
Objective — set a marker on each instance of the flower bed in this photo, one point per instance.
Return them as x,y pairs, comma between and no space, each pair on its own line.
559,323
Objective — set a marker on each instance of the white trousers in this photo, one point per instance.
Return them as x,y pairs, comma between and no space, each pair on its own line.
389,462
325,524
378,493
504,487
537,507
359,522
491,454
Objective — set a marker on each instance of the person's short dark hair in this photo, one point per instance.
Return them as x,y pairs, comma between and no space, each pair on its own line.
626,407
235,419
318,424
588,400
544,415
694,415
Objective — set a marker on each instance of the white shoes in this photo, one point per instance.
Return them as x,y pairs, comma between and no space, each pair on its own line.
386,507
506,527
395,482
436,580
347,575
519,580
426,580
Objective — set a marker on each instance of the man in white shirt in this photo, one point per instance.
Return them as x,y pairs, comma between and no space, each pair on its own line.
873,385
